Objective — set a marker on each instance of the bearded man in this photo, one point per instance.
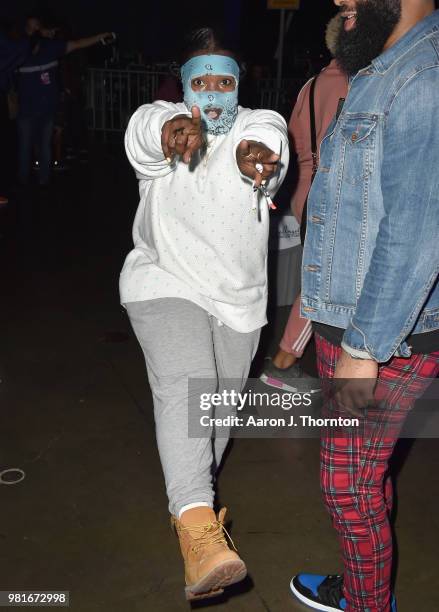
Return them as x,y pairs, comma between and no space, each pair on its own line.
370,279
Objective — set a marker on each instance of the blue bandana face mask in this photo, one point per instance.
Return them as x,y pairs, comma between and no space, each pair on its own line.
218,109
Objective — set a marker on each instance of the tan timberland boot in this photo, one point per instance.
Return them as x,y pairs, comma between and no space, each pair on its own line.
210,565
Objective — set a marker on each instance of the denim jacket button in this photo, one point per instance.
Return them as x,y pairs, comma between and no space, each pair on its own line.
354,137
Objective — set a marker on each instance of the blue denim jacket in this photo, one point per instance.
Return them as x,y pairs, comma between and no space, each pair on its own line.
371,257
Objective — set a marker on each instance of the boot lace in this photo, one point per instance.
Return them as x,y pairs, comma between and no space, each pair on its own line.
208,534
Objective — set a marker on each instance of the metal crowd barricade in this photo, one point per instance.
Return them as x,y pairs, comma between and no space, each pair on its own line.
114,94
281,100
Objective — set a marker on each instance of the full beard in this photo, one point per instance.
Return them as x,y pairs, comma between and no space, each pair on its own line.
375,22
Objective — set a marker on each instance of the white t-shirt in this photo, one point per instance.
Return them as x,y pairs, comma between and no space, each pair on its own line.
200,231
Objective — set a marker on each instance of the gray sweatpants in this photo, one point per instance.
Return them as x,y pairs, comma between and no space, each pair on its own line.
180,340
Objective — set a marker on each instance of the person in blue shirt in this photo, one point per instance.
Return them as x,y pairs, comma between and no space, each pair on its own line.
12,54
38,95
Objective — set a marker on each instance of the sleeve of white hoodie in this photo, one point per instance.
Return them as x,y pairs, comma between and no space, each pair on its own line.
143,143
270,128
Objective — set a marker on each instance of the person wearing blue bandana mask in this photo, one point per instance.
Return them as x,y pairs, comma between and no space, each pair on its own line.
211,83
195,284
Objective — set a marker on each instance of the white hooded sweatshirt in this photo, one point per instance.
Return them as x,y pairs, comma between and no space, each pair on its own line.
200,232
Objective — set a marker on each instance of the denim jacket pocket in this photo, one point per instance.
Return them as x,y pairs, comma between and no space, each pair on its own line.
358,147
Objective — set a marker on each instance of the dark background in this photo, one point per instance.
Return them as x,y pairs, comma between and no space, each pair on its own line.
156,28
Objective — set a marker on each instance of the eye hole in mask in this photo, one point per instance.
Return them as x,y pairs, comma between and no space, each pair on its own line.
212,82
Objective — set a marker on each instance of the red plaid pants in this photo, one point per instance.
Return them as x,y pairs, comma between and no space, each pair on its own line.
354,476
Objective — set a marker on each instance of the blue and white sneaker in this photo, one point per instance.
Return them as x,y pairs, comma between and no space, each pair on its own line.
322,592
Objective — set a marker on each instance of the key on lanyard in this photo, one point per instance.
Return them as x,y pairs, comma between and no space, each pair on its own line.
262,188
264,191
257,205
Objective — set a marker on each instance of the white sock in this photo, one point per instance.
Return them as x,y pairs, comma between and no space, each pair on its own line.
190,506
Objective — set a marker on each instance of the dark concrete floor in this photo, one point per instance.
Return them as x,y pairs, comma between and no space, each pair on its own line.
91,515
